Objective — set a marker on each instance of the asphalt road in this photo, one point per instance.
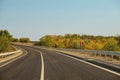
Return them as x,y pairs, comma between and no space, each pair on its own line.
56,67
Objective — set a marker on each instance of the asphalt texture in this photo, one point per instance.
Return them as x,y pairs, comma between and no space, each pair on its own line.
56,67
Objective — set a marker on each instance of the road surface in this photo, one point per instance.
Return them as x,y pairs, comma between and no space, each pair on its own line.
54,67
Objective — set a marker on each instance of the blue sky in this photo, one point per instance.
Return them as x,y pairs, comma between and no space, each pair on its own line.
36,18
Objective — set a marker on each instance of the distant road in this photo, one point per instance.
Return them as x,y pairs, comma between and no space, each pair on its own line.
52,66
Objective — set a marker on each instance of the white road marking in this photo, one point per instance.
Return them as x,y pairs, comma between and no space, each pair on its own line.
113,72
42,68
42,61
14,59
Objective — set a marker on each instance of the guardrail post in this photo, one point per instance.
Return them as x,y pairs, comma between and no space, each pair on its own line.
112,56
100,54
105,55
93,54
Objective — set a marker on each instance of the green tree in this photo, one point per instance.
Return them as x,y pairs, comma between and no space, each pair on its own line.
46,41
24,40
15,40
5,33
5,40
118,39
4,44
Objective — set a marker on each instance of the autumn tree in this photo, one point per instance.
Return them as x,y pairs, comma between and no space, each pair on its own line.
111,45
89,42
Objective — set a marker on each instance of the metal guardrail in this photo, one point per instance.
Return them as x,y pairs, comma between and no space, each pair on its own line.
3,55
112,54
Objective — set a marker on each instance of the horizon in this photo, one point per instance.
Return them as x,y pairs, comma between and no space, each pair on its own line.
37,18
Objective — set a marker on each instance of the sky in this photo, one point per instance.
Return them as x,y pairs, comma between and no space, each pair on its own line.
36,18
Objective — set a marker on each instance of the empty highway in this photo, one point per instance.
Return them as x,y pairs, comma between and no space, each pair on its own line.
41,64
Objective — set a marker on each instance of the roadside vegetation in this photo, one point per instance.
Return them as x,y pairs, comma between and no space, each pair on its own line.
87,42
5,41
24,40
76,41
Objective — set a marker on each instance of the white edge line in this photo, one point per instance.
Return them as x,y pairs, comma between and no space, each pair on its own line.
113,72
105,69
42,68
14,59
42,61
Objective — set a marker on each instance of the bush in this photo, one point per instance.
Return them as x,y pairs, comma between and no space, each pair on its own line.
5,40
5,44
24,40
15,40
6,34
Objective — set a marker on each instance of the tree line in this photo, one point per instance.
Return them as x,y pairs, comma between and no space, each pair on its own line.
22,40
77,41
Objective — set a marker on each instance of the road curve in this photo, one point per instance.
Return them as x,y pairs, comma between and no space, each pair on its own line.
56,67
25,68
